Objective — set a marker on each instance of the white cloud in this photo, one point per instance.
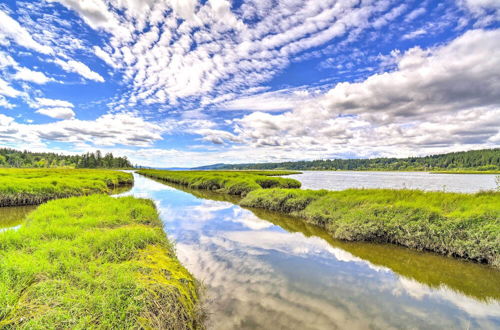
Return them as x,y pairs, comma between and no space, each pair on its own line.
436,99
36,77
58,113
107,130
79,68
7,90
414,34
269,101
10,29
205,50
5,104
487,11
45,102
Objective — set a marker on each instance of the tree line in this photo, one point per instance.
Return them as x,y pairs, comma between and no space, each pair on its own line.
479,160
21,159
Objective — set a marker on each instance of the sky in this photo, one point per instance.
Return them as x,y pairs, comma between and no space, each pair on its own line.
181,83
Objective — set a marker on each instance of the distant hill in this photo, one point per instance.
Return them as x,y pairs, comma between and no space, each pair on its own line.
478,160
20,159
210,167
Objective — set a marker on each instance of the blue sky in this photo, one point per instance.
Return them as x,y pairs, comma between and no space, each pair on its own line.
186,82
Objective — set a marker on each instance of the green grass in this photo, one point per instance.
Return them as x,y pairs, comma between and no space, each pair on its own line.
460,225
230,182
35,186
94,262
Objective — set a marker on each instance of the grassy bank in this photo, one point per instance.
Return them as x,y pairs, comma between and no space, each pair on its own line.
461,225
230,182
35,186
94,262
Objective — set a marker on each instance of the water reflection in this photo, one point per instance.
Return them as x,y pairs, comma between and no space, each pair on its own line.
14,216
262,270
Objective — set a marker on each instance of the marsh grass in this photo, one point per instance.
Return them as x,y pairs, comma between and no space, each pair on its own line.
431,269
230,182
460,225
94,262
36,186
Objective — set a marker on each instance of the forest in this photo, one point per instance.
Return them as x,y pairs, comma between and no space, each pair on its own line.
27,159
477,160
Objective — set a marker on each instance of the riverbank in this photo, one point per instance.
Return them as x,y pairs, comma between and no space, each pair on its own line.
36,186
460,225
229,182
454,224
94,262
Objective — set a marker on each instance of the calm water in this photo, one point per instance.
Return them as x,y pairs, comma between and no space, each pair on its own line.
265,271
340,180
262,270
11,217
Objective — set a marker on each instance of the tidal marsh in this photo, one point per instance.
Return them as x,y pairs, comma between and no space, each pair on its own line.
230,182
460,225
94,262
36,186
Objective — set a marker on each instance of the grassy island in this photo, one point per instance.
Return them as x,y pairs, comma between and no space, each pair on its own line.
230,182
35,186
94,262
460,225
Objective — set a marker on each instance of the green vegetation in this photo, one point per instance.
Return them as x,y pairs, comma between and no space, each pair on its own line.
26,159
94,262
35,186
487,160
230,182
429,268
460,225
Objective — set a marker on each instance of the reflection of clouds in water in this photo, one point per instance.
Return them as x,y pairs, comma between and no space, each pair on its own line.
248,219
9,228
207,210
255,286
248,293
469,305
259,276
145,188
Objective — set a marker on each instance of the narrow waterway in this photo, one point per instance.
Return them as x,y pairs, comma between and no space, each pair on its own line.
265,271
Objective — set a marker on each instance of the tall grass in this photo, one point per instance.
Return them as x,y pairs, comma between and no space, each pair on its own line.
230,182
94,262
461,225
36,186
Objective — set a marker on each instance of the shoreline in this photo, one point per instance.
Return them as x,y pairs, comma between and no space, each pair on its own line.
461,225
